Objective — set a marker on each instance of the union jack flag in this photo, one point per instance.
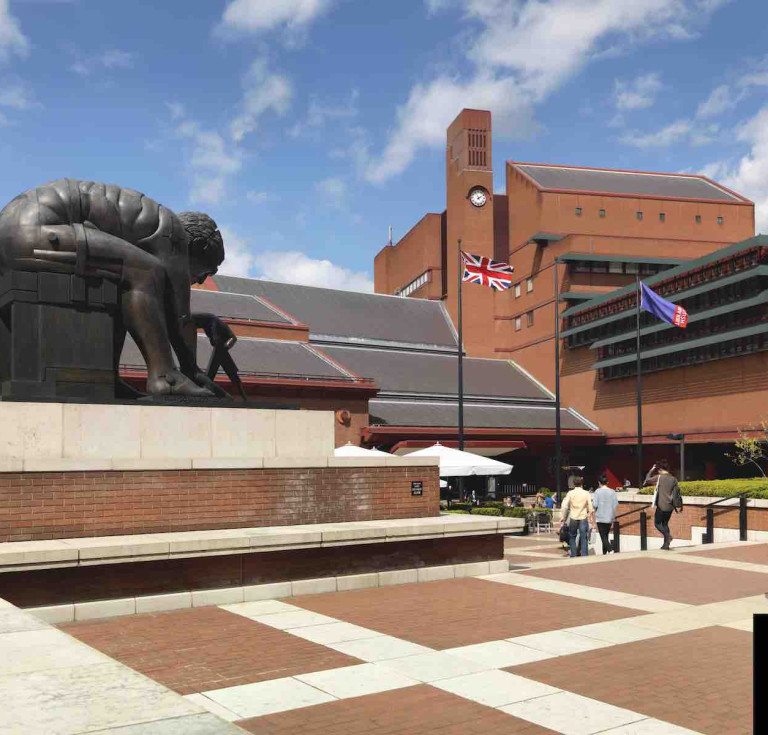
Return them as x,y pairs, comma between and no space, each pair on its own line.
486,272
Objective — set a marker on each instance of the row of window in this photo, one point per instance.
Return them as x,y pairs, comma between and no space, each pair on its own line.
641,215
528,287
602,266
528,320
414,285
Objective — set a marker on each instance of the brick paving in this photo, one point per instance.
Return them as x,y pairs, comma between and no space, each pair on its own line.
701,680
459,612
753,554
664,579
418,710
205,648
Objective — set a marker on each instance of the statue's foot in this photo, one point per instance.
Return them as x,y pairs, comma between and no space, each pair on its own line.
177,384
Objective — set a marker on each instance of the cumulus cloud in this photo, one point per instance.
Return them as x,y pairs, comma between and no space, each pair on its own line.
109,59
239,260
293,266
638,94
718,102
521,52
672,133
12,40
320,113
258,16
334,191
16,95
263,90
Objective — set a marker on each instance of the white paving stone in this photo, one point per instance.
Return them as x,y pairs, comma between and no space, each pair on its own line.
214,707
380,648
334,633
614,631
649,726
260,607
356,681
494,688
16,621
267,697
559,642
433,666
745,625
203,724
43,650
572,714
498,654
288,620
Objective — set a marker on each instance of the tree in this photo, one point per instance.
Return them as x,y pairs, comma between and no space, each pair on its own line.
751,450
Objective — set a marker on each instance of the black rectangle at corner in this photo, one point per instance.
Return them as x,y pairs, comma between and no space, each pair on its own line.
760,672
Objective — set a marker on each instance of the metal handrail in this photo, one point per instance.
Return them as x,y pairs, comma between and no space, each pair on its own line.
709,535
728,497
630,512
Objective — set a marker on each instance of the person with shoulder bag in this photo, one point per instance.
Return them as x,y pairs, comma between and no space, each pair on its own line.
666,499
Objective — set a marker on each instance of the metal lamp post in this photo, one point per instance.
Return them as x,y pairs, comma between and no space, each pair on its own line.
680,438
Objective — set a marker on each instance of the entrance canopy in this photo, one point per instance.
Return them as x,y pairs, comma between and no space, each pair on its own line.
455,463
350,450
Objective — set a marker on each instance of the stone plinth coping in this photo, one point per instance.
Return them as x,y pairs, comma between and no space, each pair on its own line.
635,497
26,555
54,464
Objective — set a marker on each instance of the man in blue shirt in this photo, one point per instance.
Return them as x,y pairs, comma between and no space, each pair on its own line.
605,503
549,502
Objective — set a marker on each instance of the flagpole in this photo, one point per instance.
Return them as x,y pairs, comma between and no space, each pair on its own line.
461,359
558,446
639,389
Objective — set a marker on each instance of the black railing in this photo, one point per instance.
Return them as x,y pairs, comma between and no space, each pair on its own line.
709,534
643,529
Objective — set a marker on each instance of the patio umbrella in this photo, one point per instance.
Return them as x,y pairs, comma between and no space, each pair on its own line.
350,450
455,463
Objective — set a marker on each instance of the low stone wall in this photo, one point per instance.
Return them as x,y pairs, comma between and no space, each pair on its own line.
59,505
691,522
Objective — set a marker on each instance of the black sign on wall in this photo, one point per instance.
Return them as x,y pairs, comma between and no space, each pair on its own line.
417,487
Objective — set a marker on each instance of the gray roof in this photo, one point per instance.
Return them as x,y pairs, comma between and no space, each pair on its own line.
256,356
626,182
235,306
476,415
352,315
427,373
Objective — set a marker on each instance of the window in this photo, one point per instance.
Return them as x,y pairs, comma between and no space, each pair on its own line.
698,219
518,324
414,285
578,211
517,290
639,215
615,267
631,268
662,217
602,213
529,285
719,220
529,318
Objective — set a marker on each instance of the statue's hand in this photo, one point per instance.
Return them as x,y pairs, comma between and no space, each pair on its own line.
204,381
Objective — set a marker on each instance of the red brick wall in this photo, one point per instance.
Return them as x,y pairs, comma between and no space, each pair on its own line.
37,506
693,515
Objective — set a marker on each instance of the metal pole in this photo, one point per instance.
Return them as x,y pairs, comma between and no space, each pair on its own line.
682,459
742,518
710,537
643,531
616,537
639,393
461,358
558,441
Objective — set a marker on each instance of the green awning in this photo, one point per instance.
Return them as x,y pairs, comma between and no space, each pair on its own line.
760,270
761,298
606,258
682,346
546,237
576,295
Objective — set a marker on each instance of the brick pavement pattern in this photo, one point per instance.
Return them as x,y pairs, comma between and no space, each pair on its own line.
665,579
205,648
459,612
419,710
757,554
701,680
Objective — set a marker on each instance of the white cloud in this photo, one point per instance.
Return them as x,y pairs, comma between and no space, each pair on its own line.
260,197
12,40
320,113
523,51
109,59
672,133
16,95
293,266
258,16
334,191
176,109
263,90
239,260
719,101
639,94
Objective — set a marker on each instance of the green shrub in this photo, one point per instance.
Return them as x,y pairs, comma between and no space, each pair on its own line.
457,512
516,512
486,511
465,507
755,488
493,504
545,491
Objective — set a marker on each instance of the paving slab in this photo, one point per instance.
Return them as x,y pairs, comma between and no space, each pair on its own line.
356,681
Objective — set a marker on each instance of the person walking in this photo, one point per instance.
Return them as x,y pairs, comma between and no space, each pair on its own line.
666,498
578,510
605,503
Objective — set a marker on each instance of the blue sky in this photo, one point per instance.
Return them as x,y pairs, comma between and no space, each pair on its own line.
306,127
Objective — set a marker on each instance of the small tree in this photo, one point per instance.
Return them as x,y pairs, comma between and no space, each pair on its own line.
749,450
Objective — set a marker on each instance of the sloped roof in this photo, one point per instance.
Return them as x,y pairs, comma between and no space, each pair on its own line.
476,415
350,315
428,373
234,306
608,181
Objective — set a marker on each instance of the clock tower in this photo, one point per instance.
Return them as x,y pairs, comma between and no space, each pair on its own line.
469,218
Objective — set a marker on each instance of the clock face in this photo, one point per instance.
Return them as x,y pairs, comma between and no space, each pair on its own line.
478,196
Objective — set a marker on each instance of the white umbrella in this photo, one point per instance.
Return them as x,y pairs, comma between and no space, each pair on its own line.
455,463
350,450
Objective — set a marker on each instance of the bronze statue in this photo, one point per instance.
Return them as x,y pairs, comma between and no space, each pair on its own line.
103,233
